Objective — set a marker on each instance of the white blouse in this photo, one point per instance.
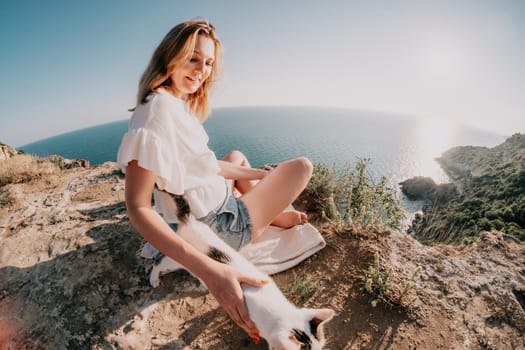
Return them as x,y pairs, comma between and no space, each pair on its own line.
165,139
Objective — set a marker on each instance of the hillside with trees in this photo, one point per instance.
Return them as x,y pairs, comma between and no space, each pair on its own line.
487,193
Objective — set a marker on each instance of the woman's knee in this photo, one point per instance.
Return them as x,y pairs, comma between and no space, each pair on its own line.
307,166
302,167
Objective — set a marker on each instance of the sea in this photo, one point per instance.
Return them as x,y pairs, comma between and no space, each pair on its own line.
397,146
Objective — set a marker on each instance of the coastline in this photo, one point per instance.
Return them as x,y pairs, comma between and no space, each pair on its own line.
487,192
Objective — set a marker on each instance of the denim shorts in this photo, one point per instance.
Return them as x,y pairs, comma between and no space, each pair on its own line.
230,221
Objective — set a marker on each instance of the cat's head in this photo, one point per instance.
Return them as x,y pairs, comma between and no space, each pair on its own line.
308,336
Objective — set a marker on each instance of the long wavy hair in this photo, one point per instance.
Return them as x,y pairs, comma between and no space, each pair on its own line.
177,46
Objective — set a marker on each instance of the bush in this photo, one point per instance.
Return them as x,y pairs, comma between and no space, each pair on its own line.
493,214
376,281
474,203
300,290
497,224
321,190
508,214
384,285
514,230
350,196
484,224
519,212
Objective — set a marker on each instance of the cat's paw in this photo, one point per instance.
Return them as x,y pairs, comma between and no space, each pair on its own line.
202,287
154,279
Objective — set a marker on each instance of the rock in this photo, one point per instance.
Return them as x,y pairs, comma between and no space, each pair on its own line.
64,163
6,151
419,187
424,188
76,163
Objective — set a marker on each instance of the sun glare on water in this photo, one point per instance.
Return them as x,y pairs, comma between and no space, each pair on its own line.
433,138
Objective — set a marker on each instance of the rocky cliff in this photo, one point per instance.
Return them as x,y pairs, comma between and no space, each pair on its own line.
487,193
70,279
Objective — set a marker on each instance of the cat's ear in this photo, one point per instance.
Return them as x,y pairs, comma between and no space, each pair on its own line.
318,318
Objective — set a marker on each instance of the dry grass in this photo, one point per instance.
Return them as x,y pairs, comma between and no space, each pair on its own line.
383,285
351,196
24,168
300,290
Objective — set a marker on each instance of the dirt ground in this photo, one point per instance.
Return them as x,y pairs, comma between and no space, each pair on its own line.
70,279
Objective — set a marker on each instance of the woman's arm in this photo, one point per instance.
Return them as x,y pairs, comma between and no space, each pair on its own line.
232,171
222,281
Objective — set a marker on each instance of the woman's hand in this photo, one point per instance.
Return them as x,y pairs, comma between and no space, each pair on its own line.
225,285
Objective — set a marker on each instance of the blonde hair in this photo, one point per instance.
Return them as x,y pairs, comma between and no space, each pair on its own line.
177,46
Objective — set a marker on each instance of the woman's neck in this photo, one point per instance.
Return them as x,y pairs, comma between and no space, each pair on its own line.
176,93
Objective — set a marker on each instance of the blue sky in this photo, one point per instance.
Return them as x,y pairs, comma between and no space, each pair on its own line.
65,65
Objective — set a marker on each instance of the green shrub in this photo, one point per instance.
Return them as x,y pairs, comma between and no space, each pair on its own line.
349,195
514,230
493,214
507,214
321,192
497,224
484,224
474,203
300,290
376,281
383,285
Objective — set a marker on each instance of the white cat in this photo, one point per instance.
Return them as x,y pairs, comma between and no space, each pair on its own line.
284,326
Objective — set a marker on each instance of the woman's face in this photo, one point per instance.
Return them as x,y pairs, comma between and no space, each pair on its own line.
188,76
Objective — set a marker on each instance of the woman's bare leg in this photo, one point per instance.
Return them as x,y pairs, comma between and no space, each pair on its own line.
238,158
274,193
287,218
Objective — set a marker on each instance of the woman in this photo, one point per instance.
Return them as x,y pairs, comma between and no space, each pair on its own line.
165,150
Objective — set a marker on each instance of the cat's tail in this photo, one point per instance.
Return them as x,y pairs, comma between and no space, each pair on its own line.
183,207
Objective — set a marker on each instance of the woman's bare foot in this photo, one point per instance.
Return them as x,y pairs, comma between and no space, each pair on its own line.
290,218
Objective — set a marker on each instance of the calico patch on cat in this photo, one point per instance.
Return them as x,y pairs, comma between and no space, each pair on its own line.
219,256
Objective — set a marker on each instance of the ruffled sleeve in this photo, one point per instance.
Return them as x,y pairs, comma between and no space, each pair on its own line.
156,154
